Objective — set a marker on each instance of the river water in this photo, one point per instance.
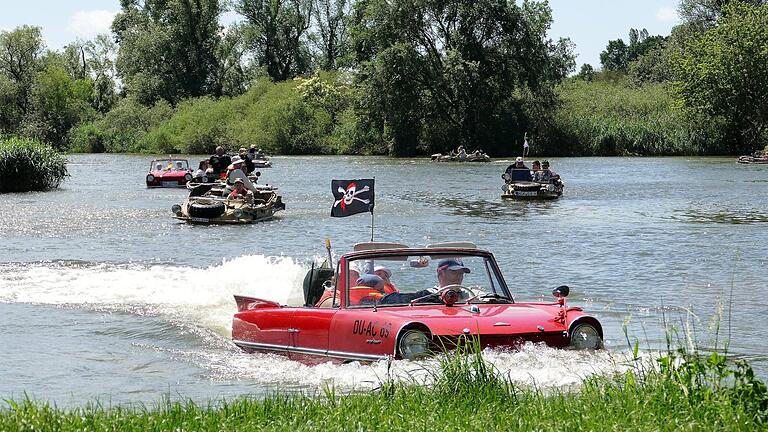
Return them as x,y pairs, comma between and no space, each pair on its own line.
103,296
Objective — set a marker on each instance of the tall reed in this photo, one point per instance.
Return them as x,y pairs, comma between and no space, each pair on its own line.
28,165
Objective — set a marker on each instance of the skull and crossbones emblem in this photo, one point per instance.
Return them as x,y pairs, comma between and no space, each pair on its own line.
350,194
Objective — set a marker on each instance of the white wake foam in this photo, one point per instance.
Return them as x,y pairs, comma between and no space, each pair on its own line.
200,296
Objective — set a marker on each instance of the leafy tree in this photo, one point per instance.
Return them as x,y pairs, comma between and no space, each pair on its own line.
59,102
724,73
231,75
20,52
703,14
332,35
435,74
99,54
168,48
278,33
587,72
615,56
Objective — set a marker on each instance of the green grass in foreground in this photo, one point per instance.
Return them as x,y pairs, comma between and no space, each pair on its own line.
682,392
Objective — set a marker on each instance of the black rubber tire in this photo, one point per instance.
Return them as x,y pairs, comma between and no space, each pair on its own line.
206,210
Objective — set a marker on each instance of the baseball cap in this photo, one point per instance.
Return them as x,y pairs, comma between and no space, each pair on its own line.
452,264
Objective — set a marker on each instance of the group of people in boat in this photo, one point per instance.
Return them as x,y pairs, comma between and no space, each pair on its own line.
539,172
461,153
220,165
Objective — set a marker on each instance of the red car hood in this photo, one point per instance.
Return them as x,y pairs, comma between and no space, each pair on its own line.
169,174
496,319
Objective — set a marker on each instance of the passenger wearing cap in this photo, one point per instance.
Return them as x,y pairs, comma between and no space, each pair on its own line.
518,171
450,271
385,274
240,192
368,289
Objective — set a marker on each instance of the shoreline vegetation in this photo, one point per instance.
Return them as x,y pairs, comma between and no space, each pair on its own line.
679,390
27,165
372,77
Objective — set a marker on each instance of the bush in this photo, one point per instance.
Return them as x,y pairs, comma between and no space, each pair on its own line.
613,118
27,165
121,130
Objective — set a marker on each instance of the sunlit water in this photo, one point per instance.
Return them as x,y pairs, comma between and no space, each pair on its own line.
104,296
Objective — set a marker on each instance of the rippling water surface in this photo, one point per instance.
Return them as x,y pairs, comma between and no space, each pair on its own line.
104,296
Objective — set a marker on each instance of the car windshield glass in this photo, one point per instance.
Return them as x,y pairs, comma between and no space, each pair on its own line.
401,280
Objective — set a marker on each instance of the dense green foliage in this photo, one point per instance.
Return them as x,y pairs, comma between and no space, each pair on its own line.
437,74
398,77
27,165
724,74
616,119
681,392
296,117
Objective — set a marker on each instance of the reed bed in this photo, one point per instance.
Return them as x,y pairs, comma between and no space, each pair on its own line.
679,391
27,165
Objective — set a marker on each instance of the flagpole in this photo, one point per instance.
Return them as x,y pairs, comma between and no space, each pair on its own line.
374,181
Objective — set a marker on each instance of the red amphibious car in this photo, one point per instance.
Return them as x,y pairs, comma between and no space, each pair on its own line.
390,300
168,173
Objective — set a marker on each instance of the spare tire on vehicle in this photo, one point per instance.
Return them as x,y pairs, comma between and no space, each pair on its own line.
206,209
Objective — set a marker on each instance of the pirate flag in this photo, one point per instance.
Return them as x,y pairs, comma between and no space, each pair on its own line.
352,197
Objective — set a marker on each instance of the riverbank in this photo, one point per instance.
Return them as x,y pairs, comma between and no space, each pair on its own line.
678,391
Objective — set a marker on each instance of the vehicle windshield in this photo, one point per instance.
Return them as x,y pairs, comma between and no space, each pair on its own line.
169,165
419,279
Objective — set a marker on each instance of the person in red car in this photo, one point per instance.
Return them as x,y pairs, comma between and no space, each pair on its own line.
450,272
240,192
368,289
385,274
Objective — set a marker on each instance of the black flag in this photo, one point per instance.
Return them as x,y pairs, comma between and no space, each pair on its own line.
351,197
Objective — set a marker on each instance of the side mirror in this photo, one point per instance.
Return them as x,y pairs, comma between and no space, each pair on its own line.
561,291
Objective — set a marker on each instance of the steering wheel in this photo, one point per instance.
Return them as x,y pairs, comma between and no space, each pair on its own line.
456,287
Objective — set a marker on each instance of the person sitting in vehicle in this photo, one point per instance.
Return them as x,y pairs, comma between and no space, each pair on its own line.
451,271
385,274
219,161
179,166
237,164
202,169
240,192
248,165
461,153
518,171
547,175
367,290
536,171
159,167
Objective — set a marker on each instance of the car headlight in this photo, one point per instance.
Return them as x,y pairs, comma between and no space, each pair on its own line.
585,336
205,179
188,177
150,178
413,344
551,187
176,209
238,213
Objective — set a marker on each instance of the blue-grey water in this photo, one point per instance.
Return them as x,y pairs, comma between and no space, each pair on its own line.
103,296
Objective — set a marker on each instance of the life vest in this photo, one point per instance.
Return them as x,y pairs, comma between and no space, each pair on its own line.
389,288
359,294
